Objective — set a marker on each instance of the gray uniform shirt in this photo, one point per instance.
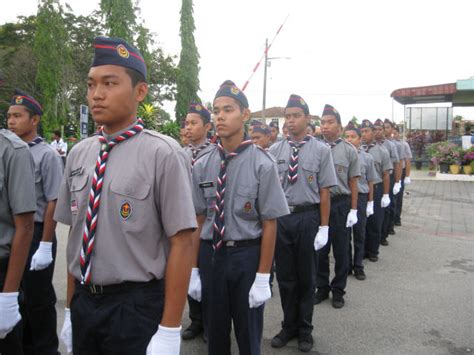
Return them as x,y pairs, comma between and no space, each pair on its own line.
17,186
408,154
252,194
346,163
367,171
146,198
381,160
315,171
202,152
48,176
400,149
392,151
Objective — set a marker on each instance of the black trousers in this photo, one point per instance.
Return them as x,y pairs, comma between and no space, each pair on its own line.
358,234
116,323
399,199
39,308
195,311
339,239
374,224
12,343
295,269
227,276
389,212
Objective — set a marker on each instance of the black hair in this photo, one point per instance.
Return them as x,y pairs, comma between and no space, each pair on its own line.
135,76
58,133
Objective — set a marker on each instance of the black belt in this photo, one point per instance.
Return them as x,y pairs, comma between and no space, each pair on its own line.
339,197
303,208
238,243
363,193
117,288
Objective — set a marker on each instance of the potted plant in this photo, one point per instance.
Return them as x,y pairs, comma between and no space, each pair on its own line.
468,158
447,155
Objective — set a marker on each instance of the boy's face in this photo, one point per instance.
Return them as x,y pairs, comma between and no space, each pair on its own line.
260,139
111,96
195,129
388,130
296,121
229,118
378,132
352,137
330,127
367,135
273,134
20,122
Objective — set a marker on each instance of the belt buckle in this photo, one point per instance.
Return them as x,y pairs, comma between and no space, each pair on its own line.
230,243
96,289
291,208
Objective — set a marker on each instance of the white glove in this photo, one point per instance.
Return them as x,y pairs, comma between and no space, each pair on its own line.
10,312
260,291
166,341
385,200
370,208
66,331
396,188
42,257
351,218
195,287
321,238
407,180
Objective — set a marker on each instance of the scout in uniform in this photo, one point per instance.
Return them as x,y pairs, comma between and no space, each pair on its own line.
39,330
343,211
17,207
365,201
383,166
126,196
182,135
237,197
306,172
274,132
261,136
198,125
387,225
405,179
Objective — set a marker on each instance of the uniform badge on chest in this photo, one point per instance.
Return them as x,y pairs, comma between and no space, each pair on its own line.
125,210
248,207
74,207
311,178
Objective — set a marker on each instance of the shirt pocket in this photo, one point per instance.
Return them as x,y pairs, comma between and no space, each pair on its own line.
210,196
245,202
310,172
79,193
130,198
342,170
282,171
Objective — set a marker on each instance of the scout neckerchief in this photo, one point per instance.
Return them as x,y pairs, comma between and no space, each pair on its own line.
219,220
35,141
94,198
333,144
366,147
293,166
195,151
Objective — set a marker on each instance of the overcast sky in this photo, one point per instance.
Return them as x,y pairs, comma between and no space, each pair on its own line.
351,54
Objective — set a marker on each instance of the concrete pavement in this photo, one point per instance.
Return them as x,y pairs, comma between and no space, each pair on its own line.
417,299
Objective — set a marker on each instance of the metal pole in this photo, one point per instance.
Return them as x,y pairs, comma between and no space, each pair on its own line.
265,80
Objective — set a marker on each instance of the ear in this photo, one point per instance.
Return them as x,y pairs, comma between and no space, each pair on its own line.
141,90
246,114
208,126
36,120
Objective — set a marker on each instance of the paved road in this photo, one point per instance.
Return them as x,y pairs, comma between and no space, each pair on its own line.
418,299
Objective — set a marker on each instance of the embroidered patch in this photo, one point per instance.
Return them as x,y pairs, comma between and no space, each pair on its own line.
198,107
281,161
122,51
311,179
125,210
340,169
302,102
206,184
18,100
77,171
234,90
247,207
74,207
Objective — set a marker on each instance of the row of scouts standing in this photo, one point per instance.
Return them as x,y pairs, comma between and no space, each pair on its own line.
151,223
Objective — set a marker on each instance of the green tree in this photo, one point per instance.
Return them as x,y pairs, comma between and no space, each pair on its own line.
120,18
53,62
355,120
187,81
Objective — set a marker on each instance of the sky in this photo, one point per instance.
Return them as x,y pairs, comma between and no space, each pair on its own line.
350,54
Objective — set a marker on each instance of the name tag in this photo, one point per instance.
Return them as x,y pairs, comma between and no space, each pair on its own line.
206,184
74,207
77,171
281,161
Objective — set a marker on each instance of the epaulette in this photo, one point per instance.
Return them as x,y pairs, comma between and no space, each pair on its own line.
16,141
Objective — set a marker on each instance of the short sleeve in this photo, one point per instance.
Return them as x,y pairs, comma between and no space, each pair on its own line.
199,200
271,198
51,175
175,197
62,213
370,172
327,173
408,153
396,158
386,162
21,181
354,165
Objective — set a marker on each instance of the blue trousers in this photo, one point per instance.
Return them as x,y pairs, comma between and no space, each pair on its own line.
399,200
295,269
358,234
339,239
389,212
374,224
227,276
